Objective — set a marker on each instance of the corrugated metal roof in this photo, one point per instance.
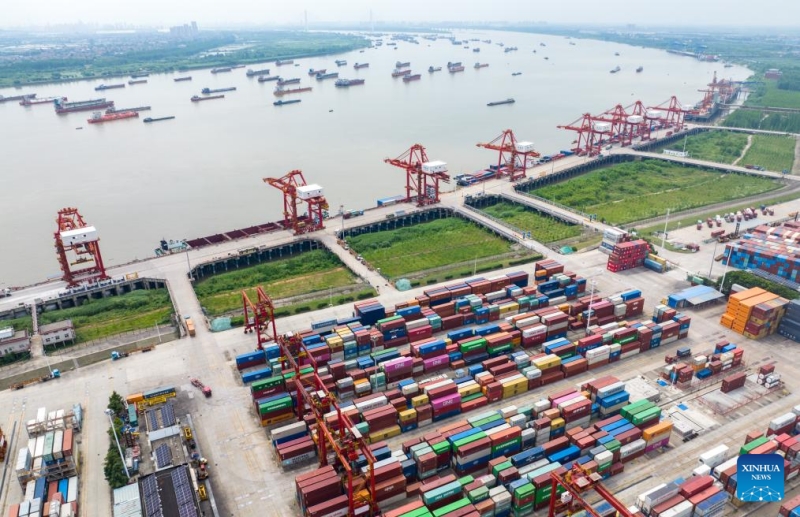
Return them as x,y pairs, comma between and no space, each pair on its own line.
711,295
127,502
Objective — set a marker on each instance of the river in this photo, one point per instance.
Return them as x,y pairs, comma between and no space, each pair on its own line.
202,172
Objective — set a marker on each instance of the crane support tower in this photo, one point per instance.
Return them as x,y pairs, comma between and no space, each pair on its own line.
513,155
295,192
259,317
671,113
77,243
576,482
422,175
590,134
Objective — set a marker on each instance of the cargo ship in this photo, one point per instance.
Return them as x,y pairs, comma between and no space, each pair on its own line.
487,41
197,98
410,78
109,87
498,103
221,70
97,118
18,97
217,90
157,119
137,81
340,62
234,67
516,74
140,74
263,79
179,79
542,45
139,108
615,70
400,73
253,73
639,70
330,75
454,69
345,83
510,49
30,101
361,65
311,71
402,64
282,91
481,65
294,80
90,105
282,102
432,69
476,50
287,62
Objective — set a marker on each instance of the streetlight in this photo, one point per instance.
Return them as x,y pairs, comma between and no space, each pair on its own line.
713,255
114,430
591,302
664,236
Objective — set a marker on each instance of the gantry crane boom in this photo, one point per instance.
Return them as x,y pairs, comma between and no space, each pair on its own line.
578,481
260,317
422,176
513,155
589,135
295,192
75,236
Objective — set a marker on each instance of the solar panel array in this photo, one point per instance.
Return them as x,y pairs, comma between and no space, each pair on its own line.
152,420
183,493
163,456
168,415
152,501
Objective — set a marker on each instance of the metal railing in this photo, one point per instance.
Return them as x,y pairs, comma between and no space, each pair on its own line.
555,204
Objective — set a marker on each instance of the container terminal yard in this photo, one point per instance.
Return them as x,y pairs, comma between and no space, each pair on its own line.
487,396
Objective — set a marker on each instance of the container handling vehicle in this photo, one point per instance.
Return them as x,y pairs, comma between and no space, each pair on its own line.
54,374
205,389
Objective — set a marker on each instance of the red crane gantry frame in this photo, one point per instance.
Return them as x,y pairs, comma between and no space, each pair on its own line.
588,142
676,113
260,317
87,251
510,162
577,481
293,218
422,187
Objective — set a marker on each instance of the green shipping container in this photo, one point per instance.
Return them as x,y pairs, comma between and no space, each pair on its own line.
748,447
630,409
485,420
501,467
444,510
419,512
269,382
443,492
471,397
647,414
478,344
469,439
479,494
523,510
307,369
288,375
466,480
501,446
441,447
273,406
612,445
499,349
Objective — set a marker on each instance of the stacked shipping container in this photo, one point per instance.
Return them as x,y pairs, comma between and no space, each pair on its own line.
755,313
770,249
790,324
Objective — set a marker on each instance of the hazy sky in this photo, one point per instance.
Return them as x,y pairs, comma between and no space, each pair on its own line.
785,13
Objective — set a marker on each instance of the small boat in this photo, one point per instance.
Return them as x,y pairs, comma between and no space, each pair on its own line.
253,73
263,79
510,49
294,80
616,53
179,79
514,74
221,70
402,64
30,101
728,65
81,127
400,73
311,71
282,102
97,118
137,81
346,83
547,58
498,103
542,45
481,65
197,98
218,90
340,62
476,50
434,69
409,78
109,86
572,43
329,75
157,119
281,91
140,74
639,70
286,62
361,65
615,70
454,69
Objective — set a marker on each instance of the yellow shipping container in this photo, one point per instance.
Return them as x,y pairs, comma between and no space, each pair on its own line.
516,383
469,390
564,307
517,341
384,434
557,423
447,341
334,340
408,415
509,307
419,400
275,420
747,293
544,363
662,427
136,397
412,303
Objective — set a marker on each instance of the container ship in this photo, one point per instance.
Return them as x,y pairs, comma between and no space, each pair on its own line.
311,71
400,73
510,49
138,108
137,81
109,86
330,75
90,105
432,69
221,70
285,91
345,83
17,97
217,90
410,78
287,62
140,74
639,70
197,98
615,70
253,73
157,119
498,103
476,49
340,62
402,64
179,79
282,102
282,82
481,65
97,118
516,74
30,101
263,79
454,69
361,65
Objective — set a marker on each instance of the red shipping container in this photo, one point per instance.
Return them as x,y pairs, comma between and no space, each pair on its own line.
695,485
328,507
658,509
390,488
705,494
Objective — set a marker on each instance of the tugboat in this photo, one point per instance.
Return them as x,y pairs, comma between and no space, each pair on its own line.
432,69
639,70
615,70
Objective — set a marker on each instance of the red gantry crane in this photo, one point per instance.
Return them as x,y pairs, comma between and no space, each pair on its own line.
590,134
422,175
80,240
260,317
577,481
671,113
295,192
513,155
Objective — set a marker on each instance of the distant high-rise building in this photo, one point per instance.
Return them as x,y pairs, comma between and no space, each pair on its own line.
184,31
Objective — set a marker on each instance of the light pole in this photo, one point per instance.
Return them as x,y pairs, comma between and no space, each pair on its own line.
591,302
713,255
664,236
114,430
341,211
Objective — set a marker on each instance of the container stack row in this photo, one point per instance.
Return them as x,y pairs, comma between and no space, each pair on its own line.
628,255
684,367
771,249
755,313
790,324
712,484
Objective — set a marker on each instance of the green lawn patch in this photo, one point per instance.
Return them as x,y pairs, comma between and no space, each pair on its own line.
768,94
635,191
773,152
712,146
427,245
305,273
543,228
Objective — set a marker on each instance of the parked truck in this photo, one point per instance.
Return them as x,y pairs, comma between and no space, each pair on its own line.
189,325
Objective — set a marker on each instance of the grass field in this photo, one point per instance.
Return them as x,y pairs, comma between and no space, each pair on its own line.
712,146
97,319
773,152
300,274
635,191
783,122
770,95
427,245
543,229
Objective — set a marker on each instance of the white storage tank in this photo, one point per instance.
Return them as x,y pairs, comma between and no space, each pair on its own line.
524,147
434,167
79,236
309,191
635,119
602,127
655,114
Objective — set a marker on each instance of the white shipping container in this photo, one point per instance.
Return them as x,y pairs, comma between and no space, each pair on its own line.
309,191
782,421
495,430
23,460
58,440
434,166
702,470
714,457
39,447
288,430
611,389
683,509
29,489
79,236
508,411
724,466
541,405
72,489
524,147
640,500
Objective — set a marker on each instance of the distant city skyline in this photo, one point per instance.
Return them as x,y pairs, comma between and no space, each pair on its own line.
207,13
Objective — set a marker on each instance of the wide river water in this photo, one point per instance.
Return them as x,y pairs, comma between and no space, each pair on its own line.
202,172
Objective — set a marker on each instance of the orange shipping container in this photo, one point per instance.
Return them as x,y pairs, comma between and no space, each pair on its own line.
136,397
659,428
